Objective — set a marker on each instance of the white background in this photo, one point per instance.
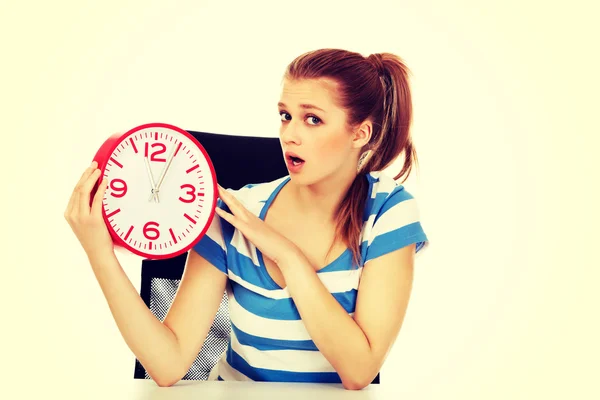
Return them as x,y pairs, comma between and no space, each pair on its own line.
505,302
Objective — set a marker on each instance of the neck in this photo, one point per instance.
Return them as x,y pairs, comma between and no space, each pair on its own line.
319,200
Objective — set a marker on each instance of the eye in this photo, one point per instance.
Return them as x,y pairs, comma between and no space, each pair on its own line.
314,118
281,114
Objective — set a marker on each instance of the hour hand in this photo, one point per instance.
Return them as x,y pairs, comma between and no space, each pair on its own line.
151,178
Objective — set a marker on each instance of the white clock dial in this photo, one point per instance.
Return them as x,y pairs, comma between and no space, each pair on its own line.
161,192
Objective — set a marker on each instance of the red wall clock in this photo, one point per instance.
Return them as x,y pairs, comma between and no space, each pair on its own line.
162,190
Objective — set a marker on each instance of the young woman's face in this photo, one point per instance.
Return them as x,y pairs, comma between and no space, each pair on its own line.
314,127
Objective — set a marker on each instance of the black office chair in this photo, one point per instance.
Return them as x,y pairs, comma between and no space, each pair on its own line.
238,161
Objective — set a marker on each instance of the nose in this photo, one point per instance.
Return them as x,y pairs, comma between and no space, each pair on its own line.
289,133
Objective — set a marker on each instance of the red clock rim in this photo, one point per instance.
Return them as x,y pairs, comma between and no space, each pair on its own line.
106,150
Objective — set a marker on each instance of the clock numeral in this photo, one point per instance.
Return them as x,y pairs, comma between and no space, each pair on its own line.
177,150
118,187
192,168
128,233
191,191
118,164
150,229
192,220
118,210
133,145
153,156
172,235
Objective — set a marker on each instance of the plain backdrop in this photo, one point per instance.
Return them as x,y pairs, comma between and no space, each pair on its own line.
505,301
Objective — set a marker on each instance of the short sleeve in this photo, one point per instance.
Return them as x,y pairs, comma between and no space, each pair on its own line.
397,224
212,245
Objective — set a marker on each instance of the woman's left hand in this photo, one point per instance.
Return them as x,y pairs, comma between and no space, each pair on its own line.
271,243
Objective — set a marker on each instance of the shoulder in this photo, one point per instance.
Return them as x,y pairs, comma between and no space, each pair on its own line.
393,217
385,193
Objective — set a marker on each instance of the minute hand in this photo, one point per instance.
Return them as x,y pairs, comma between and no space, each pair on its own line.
149,171
164,172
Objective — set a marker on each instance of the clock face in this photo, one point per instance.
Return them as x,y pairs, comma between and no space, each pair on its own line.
161,191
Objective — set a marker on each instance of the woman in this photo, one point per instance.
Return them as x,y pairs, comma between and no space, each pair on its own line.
318,265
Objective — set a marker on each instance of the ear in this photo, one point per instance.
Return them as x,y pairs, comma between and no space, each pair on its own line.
362,134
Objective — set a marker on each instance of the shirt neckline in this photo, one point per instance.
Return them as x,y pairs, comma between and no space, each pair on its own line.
259,254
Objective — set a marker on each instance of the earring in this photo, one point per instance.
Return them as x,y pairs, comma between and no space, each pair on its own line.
364,157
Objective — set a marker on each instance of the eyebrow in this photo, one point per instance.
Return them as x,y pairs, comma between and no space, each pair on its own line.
305,106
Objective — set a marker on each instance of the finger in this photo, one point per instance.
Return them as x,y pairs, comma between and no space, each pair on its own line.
225,215
231,201
86,174
85,192
72,201
99,197
223,196
73,205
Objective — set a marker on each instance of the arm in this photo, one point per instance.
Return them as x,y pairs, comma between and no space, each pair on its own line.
383,296
166,350
358,354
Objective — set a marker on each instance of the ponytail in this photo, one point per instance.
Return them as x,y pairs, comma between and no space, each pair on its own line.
375,87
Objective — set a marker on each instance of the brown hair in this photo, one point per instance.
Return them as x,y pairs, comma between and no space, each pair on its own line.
374,87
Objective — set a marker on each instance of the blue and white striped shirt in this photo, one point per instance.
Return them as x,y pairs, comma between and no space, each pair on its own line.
269,341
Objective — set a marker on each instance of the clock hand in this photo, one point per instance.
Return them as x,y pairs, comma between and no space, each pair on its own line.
164,172
154,191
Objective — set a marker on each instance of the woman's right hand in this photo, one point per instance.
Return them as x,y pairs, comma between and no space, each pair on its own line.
85,221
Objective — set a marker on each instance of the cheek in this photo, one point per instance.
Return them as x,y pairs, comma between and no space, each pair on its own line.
334,149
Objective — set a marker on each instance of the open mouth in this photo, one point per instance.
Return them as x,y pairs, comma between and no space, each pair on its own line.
295,160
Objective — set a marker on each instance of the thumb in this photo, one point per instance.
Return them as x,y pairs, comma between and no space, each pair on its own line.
99,196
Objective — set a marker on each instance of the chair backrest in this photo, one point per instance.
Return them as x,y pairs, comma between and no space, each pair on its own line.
238,161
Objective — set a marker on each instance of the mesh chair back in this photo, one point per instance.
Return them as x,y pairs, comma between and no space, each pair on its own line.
160,280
